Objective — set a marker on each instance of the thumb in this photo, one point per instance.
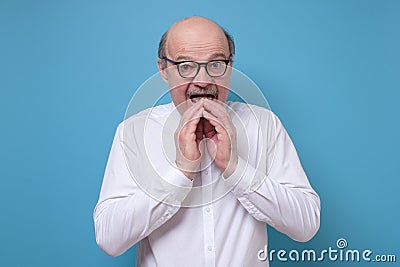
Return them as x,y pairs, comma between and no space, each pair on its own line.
212,148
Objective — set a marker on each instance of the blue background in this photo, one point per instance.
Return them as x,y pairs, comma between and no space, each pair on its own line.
329,69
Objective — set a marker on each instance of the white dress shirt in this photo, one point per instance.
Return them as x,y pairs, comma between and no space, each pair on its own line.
210,221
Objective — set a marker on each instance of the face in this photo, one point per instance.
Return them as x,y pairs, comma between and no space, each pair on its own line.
196,39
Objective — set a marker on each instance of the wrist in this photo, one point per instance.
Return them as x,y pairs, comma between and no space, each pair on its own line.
189,174
232,165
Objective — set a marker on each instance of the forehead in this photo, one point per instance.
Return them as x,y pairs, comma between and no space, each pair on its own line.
197,40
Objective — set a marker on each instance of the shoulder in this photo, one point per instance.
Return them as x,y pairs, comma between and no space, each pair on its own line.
150,116
250,112
154,113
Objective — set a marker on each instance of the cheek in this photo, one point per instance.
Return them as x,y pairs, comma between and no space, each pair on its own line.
175,82
223,94
178,94
223,89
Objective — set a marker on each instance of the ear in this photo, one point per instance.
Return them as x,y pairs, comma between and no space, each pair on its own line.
162,69
230,68
231,62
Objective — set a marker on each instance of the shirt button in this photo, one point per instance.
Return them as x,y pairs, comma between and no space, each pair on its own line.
208,209
206,172
209,248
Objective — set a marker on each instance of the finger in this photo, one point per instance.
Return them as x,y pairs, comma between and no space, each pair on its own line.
214,122
200,145
191,111
215,107
191,117
221,133
190,125
218,111
221,115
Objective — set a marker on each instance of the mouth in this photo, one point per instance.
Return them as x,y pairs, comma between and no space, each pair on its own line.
196,97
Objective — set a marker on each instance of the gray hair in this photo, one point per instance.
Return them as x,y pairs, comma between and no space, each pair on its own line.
163,43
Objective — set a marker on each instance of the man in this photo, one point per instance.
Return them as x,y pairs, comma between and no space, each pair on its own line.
195,182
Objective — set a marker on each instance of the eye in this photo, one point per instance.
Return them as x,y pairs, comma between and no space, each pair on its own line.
187,66
215,64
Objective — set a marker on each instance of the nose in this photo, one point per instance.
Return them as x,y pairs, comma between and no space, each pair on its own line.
202,79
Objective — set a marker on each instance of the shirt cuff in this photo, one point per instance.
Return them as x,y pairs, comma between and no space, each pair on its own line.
240,180
175,185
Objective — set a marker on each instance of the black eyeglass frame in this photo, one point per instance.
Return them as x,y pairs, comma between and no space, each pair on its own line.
199,64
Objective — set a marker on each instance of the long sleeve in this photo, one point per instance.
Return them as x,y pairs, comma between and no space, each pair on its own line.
278,193
125,214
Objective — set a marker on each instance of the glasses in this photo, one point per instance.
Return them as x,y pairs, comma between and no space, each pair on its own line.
189,69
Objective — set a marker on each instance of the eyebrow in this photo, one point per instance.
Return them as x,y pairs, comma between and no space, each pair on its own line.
211,57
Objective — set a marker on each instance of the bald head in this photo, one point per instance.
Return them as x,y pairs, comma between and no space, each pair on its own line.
196,30
200,40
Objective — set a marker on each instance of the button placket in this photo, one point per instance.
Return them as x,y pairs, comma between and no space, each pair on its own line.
208,218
